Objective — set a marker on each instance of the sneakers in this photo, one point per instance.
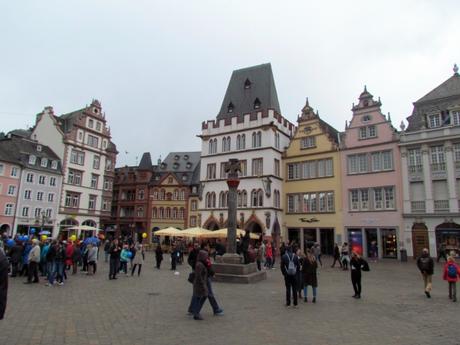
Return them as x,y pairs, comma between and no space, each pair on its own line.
61,283
219,312
314,300
197,317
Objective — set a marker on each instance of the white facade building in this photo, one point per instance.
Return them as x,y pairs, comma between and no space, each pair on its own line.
250,128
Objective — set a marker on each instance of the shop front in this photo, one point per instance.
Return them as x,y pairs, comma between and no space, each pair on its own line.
389,243
374,242
449,235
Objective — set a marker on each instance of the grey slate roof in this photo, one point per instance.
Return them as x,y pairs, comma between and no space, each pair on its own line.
180,164
451,87
146,162
262,87
18,149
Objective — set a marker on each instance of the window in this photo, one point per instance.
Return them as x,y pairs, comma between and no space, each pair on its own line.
44,162
293,201
223,198
27,194
314,202
226,144
277,140
98,126
41,179
92,141
49,212
378,198
141,194
257,167
32,159
52,181
92,202
455,118
242,199
72,200
167,213
211,171
161,213
2,168
276,199
308,142
25,211
90,123
39,196
140,211
54,165
9,209
74,177
154,212
223,174
50,197
105,204
30,177
192,221
438,162
96,162
230,108
94,180
38,213
257,198
108,164
354,198
456,149
14,171
244,168
194,205
434,120
277,167
77,157
182,194
241,142
382,160
210,200
257,139
367,132
11,190
257,103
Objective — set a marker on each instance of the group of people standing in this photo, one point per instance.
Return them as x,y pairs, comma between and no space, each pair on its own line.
122,254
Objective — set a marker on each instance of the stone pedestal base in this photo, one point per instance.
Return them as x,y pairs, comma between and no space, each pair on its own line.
229,269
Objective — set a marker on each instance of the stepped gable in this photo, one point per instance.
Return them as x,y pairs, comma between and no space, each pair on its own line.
250,89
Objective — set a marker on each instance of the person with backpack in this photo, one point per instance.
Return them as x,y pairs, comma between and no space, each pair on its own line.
357,264
344,258
290,265
426,266
451,275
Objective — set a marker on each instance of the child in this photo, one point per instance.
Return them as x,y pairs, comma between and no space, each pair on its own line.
125,255
451,274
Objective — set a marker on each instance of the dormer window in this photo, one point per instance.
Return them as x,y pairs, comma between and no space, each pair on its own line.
39,148
44,162
434,120
366,118
257,103
32,159
175,165
176,157
184,177
366,103
95,110
54,165
189,165
230,108
247,84
163,166
186,157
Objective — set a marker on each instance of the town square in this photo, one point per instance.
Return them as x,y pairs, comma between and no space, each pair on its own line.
229,172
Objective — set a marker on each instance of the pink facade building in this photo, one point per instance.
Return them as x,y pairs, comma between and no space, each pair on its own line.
10,174
371,181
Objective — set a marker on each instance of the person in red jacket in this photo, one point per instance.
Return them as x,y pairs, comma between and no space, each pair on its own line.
69,255
451,274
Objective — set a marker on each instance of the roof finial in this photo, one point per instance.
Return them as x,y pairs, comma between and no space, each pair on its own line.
455,69
307,104
365,88
389,117
346,124
317,112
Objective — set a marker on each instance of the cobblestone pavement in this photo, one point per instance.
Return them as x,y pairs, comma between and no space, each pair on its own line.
151,309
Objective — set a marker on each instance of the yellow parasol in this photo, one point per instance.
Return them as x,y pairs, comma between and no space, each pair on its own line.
223,233
168,232
194,232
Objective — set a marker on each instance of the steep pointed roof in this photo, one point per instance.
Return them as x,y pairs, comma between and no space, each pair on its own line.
449,88
146,162
248,87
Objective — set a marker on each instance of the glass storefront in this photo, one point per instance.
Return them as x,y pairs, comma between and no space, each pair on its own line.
389,243
372,243
293,236
451,239
355,241
309,237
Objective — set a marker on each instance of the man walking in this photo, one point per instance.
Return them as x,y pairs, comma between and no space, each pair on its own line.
290,266
114,252
426,266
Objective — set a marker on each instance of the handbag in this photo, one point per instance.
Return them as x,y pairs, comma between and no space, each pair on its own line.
191,277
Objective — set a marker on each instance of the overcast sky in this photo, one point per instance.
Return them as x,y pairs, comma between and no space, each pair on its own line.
160,68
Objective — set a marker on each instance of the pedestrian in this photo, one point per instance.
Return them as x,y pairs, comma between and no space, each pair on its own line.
124,258
76,257
138,259
344,257
84,255
15,257
374,252
263,254
4,265
259,256
174,256
357,264
426,266
299,277
69,248
317,253
51,263
158,255
25,259
309,270
289,267
336,256
60,262
442,252
245,247
268,256
92,259
451,275
34,261
43,253
114,251
200,284
106,250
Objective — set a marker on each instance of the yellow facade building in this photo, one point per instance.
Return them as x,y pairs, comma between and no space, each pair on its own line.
312,188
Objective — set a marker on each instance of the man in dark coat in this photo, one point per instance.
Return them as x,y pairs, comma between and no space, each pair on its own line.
290,276
114,251
426,266
15,257
3,282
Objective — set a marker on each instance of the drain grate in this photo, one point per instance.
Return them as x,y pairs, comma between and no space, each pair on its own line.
153,293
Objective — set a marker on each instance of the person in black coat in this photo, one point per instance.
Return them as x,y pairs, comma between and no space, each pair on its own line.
15,257
290,278
336,256
158,255
356,265
309,269
114,251
426,266
4,264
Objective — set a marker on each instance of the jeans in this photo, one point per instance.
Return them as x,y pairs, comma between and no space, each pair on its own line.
305,290
291,285
453,291
138,270
197,304
60,271
211,298
51,270
114,262
124,266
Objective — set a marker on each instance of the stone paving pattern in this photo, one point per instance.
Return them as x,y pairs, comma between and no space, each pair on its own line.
151,309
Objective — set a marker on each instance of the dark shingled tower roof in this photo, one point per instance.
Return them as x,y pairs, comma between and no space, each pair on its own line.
248,86
146,162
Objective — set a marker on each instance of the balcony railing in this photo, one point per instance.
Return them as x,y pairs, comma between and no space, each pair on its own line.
438,170
415,172
417,206
441,205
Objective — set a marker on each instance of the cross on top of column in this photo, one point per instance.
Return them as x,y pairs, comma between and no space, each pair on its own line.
232,167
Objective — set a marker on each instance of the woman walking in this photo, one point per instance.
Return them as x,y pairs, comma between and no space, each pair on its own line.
309,269
158,255
200,284
138,260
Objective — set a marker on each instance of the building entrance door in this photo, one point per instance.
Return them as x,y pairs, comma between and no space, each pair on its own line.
419,239
327,241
